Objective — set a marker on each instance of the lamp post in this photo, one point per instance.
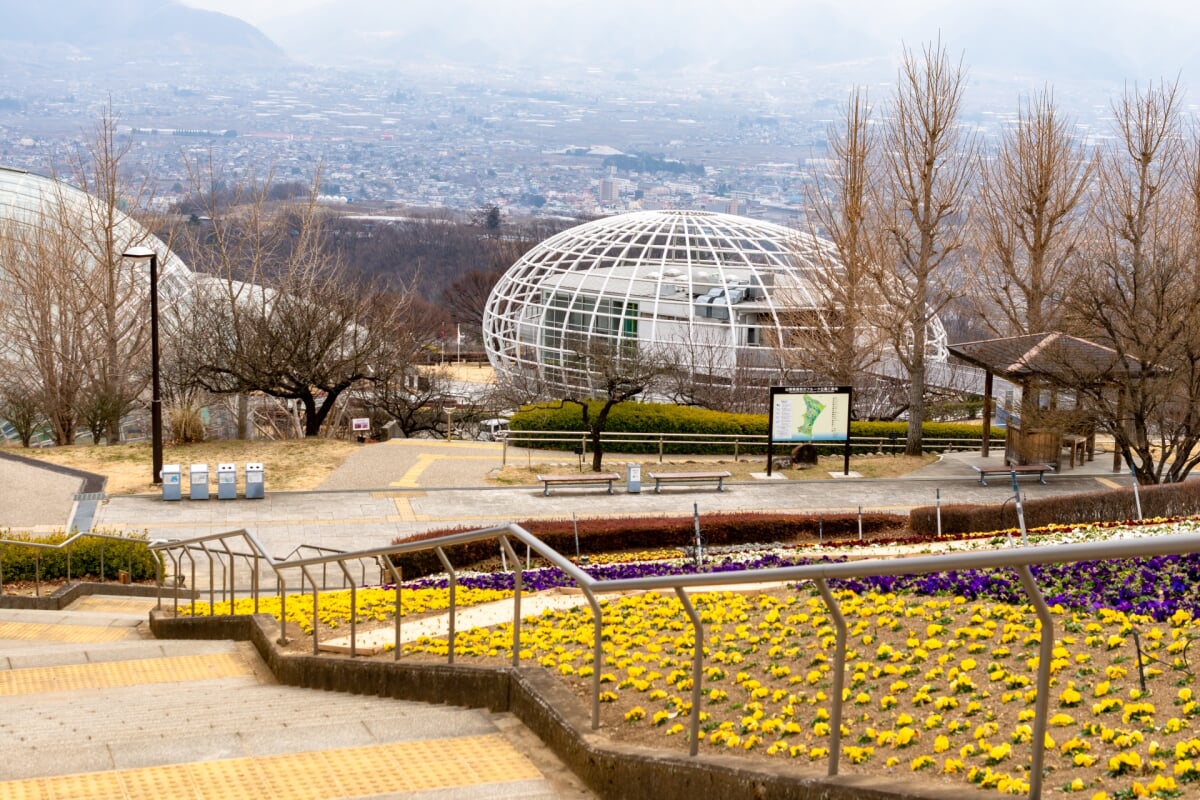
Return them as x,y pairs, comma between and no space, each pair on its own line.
156,440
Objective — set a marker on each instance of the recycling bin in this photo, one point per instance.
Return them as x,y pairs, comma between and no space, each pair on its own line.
226,481
170,476
198,482
254,481
633,478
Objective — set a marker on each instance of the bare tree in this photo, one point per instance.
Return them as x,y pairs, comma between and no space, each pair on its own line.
1139,286
44,321
838,342
280,315
1028,217
21,408
927,166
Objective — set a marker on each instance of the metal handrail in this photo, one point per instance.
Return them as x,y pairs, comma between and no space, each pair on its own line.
582,439
1019,558
65,544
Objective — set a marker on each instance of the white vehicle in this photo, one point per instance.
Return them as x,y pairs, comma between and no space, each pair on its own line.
493,430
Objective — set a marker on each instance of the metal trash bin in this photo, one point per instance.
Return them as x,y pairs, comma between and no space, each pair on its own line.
198,482
171,475
633,478
254,481
226,481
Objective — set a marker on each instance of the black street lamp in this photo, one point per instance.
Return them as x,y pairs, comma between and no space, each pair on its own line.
140,252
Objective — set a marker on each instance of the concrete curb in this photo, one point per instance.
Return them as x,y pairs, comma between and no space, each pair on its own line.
555,715
63,596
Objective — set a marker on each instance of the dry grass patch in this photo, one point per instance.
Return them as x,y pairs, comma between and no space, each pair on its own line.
290,465
873,466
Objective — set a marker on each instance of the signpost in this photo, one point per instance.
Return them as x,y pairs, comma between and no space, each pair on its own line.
808,415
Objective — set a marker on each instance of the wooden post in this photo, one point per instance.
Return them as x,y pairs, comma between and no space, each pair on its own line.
987,415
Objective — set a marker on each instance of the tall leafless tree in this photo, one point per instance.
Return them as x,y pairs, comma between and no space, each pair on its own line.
1027,220
44,323
840,344
1139,285
928,161
115,290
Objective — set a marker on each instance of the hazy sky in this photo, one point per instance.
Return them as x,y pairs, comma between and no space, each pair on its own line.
1152,40
887,12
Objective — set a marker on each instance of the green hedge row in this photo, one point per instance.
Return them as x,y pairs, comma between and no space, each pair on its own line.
609,535
87,557
653,418
1109,505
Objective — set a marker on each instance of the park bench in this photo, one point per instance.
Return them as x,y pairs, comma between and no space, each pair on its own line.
688,477
582,479
1022,469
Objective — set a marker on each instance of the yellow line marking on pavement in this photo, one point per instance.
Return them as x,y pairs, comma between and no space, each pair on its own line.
424,460
409,478
1108,483
44,632
111,674
401,767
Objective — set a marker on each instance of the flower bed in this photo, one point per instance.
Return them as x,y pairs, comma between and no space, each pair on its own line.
940,672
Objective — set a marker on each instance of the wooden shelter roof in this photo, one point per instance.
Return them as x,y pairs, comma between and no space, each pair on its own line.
1056,357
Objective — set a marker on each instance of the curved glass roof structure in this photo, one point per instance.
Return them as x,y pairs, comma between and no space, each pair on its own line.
711,292
35,206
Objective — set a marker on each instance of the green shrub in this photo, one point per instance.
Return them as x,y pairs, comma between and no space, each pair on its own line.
86,557
1110,505
653,418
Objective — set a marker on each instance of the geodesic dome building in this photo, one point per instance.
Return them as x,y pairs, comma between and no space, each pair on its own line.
715,294
34,207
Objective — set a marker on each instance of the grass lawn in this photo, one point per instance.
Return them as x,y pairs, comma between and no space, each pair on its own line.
289,465
525,474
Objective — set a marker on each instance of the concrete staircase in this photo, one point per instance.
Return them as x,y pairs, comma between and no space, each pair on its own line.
91,708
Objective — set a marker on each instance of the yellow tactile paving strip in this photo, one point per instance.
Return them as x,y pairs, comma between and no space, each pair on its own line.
424,460
62,633
349,772
110,674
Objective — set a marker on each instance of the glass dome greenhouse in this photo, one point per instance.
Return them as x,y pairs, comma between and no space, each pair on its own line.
712,294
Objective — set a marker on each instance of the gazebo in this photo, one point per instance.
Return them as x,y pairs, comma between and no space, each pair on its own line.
1045,361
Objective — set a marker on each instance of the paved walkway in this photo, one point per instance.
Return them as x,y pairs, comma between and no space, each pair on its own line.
393,490
350,519
90,708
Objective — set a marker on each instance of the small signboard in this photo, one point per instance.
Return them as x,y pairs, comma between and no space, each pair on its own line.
809,414
360,423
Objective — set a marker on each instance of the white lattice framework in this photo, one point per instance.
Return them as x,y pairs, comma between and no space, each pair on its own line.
712,291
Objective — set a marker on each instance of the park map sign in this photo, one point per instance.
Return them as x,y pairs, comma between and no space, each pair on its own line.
809,414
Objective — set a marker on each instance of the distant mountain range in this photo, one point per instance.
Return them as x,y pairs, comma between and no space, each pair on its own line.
1106,40
670,41
108,31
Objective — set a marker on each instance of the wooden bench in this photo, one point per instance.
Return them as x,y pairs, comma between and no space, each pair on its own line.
688,477
582,479
1022,469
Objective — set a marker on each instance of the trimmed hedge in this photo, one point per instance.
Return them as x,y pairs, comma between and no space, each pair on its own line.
654,418
1109,505
608,535
22,563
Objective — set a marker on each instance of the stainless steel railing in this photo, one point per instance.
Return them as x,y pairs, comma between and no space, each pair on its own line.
1019,558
